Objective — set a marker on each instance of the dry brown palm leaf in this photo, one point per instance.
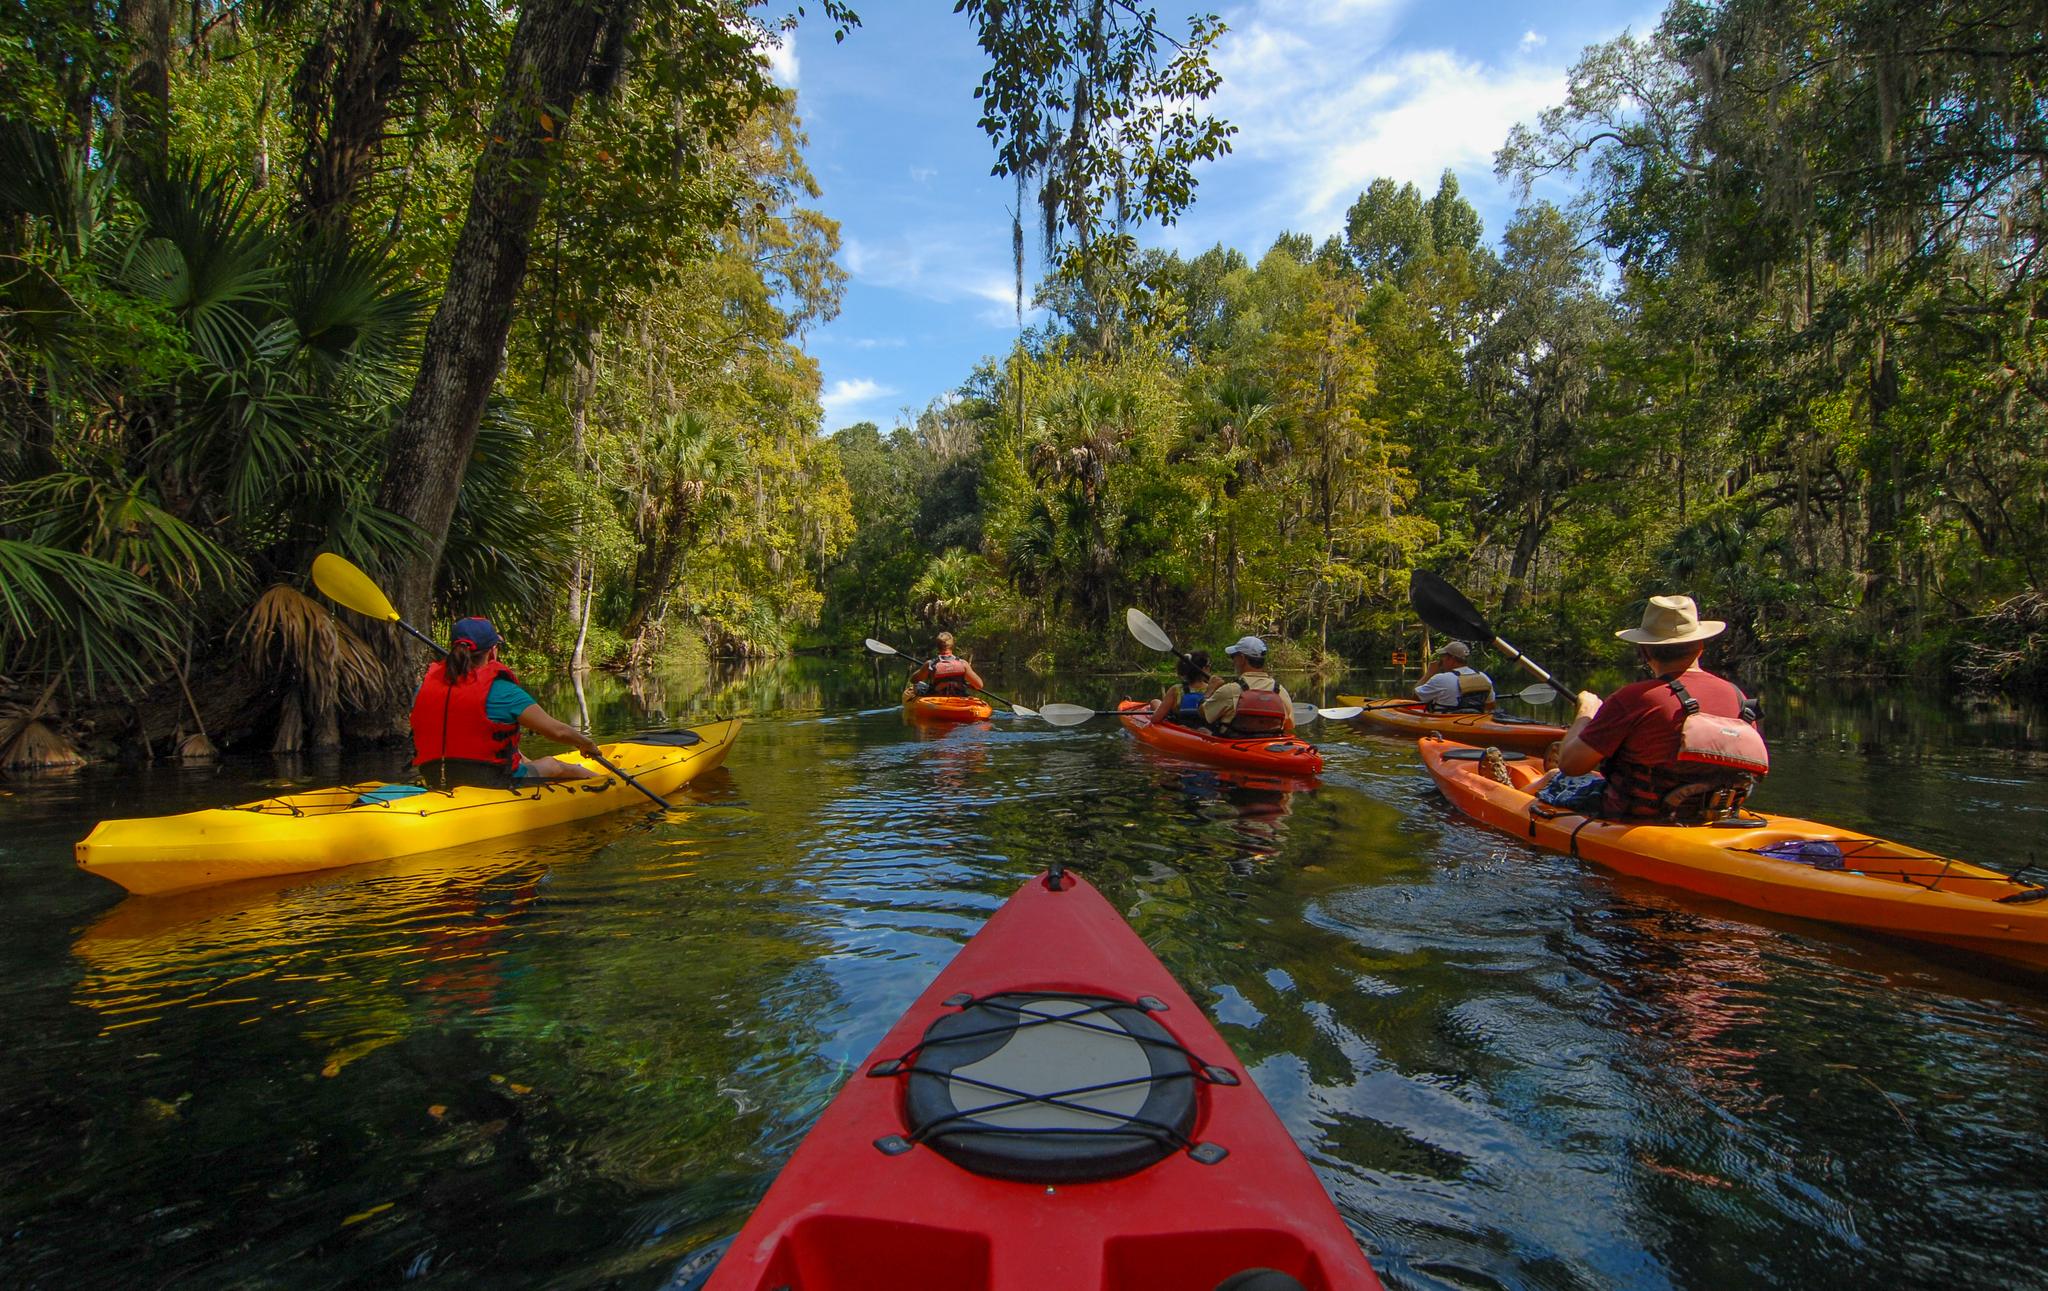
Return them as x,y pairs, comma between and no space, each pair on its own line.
33,745
197,748
285,627
27,742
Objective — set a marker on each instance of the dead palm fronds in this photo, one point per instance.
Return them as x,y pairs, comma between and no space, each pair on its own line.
287,630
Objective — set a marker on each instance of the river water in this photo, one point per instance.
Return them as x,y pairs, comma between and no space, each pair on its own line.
569,1059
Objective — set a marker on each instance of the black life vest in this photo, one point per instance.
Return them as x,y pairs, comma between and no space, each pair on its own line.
453,738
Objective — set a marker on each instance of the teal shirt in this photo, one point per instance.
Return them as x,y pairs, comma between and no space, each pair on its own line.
507,700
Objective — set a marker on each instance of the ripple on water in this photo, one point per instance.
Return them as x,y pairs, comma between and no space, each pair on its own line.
568,1059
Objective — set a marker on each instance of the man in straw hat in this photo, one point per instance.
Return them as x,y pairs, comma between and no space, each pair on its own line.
1646,737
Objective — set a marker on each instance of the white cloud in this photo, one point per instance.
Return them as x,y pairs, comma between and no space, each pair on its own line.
923,174
1325,103
781,56
946,265
1533,40
847,395
877,343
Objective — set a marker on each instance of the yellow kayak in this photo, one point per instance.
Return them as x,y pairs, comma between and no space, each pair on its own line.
322,829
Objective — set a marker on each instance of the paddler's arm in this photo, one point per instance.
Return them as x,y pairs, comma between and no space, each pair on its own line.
537,719
974,678
1574,755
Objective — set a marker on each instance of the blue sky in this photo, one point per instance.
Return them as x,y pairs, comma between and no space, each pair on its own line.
1326,96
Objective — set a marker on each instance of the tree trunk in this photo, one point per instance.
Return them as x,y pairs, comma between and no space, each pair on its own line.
465,343
1526,544
344,91
141,126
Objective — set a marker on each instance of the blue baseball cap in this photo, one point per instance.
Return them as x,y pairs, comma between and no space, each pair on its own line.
477,634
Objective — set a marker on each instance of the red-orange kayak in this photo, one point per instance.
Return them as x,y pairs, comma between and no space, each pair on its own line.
1407,720
947,708
1052,1114
1280,755
1784,864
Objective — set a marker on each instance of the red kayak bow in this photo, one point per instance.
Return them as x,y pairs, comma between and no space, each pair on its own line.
1052,1113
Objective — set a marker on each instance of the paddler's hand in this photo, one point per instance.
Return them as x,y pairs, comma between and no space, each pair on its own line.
1589,704
585,745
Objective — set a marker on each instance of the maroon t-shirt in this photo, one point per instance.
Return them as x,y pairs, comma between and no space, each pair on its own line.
1638,724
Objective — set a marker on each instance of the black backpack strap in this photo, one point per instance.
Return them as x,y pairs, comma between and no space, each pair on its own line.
1685,699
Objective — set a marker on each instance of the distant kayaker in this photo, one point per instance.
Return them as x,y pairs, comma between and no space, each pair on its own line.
1182,701
469,713
947,674
1253,702
1683,745
1452,685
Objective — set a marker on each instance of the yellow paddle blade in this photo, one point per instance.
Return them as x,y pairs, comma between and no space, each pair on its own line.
347,585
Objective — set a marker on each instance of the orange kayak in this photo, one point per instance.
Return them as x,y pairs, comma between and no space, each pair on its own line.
1283,755
1784,865
1409,720
947,708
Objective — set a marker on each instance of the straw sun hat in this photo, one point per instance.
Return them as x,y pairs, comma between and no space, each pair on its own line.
1672,620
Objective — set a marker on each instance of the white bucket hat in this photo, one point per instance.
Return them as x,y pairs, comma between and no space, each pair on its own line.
1672,620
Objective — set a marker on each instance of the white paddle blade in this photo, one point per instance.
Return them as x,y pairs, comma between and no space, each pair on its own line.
882,647
1022,711
1149,634
1344,714
1065,714
1539,694
1306,713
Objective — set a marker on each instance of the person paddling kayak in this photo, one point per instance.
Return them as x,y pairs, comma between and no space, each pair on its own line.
947,674
1452,685
1682,746
1253,702
470,712
1182,702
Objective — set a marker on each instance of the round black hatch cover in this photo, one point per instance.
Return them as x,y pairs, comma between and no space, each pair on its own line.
1050,1088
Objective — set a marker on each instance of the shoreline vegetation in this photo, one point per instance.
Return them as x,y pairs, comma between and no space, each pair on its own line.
509,306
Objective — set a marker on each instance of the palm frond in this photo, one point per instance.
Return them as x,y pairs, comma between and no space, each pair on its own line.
62,612
285,628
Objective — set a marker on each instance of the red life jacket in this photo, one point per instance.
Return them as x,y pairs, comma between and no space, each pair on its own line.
1719,761
1259,712
449,723
949,675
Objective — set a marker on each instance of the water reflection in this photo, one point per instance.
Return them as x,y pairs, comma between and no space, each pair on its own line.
567,1059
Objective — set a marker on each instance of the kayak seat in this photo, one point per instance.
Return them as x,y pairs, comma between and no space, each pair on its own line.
1260,1280
389,793
1474,755
1051,1088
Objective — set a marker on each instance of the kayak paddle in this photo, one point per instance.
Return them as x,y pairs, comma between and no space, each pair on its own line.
884,648
1540,693
347,585
1445,608
1153,636
1075,714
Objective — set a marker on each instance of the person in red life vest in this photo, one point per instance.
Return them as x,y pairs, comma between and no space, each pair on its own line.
1253,702
470,712
948,674
1682,746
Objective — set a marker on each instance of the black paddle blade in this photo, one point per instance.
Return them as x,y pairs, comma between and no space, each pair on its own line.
1445,608
673,739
